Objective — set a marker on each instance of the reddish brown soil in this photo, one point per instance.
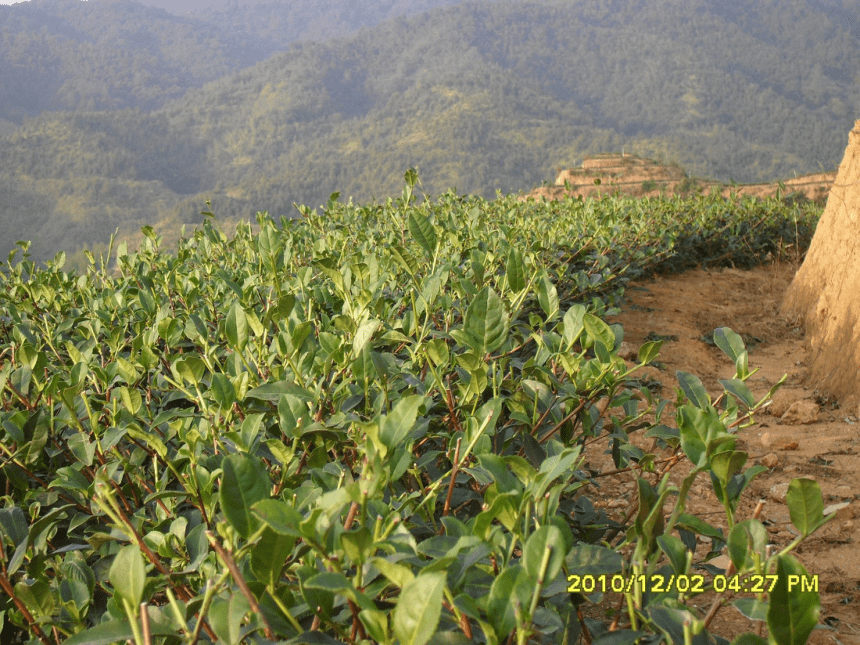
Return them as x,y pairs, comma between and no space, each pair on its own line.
687,308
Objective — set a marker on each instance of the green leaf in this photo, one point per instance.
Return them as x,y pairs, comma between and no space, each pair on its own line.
805,505
128,575
293,414
693,389
223,391
510,589
486,322
740,390
754,609
593,559
226,618
745,539
548,297
243,483
357,544
83,450
131,399
37,595
726,464
794,605
702,434
696,525
404,258
152,440
236,327
422,232
399,574
337,583
272,392
419,608
649,351
749,639
13,524
398,423
191,369
728,341
363,335
279,516
598,330
675,551
546,537
269,555
574,323
437,351
515,269
375,621
115,631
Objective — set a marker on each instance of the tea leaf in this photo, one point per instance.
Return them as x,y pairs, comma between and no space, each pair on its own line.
419,608
548,297
486,322
236,327
398,423
515,269
422,232
128,575
244,482
805,505
223,391
793,606
598,330
693,389
730,342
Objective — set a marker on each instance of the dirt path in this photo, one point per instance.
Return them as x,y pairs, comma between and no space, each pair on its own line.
803,434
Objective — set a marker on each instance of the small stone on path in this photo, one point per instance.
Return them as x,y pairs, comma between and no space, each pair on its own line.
800,412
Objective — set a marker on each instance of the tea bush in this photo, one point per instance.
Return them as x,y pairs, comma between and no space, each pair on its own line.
369,424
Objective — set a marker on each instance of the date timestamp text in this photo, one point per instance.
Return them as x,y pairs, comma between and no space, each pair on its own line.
692,583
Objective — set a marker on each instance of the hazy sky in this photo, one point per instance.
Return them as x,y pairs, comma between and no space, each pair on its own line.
173,6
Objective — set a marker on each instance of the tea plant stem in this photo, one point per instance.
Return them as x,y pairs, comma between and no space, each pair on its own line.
430,490
204,609
557,426
350,516
112,509
446,509
34,626
287,613
717,603
228,561
132,621
174,606
621,599
609,473
586,633
544,564
686,484
462,619
37,479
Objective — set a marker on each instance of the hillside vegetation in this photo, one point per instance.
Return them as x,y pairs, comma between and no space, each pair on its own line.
484,97
377,423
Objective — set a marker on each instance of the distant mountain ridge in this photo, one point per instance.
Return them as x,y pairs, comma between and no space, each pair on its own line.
481,97
115,54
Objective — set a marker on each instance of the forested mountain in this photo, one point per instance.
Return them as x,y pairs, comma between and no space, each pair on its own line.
114,54
477,96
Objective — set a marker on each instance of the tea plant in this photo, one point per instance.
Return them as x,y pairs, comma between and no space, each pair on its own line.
370,424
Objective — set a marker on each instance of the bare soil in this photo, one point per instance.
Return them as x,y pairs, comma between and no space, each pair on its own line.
685,309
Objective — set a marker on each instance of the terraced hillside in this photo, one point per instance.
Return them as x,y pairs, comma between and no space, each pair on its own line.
629,174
